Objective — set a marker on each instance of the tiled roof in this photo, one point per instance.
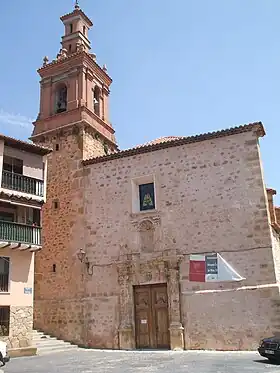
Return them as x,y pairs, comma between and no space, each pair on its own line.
160,140
168,142
17,198
24,145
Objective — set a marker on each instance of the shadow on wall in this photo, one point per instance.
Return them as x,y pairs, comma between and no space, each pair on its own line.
21,266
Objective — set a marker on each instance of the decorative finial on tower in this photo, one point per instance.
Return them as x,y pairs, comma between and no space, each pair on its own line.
77,6
80,47
105,68
45,61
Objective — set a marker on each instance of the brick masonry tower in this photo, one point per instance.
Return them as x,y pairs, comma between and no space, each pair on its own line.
74,121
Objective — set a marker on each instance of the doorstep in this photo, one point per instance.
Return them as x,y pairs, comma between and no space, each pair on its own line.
22,351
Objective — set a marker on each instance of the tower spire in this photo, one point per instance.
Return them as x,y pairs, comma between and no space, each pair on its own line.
77,6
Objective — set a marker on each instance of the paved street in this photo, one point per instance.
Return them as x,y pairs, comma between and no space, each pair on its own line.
86,361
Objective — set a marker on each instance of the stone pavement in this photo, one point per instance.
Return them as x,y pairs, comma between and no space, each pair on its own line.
94,361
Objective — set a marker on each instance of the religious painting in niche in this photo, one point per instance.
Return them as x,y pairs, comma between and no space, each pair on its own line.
146,230
147,196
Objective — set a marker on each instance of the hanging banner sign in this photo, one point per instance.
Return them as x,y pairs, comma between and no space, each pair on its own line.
211,268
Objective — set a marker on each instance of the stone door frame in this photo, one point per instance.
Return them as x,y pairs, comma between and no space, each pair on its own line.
133,272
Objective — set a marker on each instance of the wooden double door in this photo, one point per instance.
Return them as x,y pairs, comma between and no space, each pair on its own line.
151,316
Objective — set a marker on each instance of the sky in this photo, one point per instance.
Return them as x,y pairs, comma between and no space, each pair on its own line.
179,68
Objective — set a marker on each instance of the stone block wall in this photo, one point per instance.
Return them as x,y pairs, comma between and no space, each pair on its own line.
234,315
91,321
95,145
210,197
229,320
64,318
56,264
60,302
275,231
276,253
21,325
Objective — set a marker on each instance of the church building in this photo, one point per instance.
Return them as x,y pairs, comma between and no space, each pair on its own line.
182,254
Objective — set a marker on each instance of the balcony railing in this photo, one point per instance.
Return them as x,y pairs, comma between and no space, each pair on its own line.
22,183
21,233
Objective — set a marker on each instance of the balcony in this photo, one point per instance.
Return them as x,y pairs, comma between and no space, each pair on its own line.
22,183
20,233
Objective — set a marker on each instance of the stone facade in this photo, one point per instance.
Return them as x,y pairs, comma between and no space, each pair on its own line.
207,193
209,197
67,302
21,325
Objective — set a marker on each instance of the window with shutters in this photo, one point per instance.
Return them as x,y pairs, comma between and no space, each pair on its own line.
4,274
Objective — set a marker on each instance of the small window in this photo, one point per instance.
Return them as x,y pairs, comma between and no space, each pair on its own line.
71,28
57,147
4,274
147,197
4,321
13,165
55,204
70,48
54,268
84,30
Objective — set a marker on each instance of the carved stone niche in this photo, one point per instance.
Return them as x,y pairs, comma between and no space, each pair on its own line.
146,231
137,219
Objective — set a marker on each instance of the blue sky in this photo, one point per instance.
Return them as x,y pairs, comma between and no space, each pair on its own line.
179,67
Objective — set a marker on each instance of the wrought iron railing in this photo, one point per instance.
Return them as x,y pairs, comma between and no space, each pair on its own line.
22,183
4,282
21,233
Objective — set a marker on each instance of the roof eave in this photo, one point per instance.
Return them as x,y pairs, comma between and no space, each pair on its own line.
22,145
44,69
257,127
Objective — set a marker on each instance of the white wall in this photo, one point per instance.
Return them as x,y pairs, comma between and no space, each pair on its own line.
21,276
32,163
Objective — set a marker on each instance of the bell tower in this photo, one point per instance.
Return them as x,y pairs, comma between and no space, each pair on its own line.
74,88
77,25
73,120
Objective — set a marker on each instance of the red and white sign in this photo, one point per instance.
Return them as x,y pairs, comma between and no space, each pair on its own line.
211,268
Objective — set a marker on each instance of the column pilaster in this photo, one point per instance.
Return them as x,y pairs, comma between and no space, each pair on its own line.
176,328
126,331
